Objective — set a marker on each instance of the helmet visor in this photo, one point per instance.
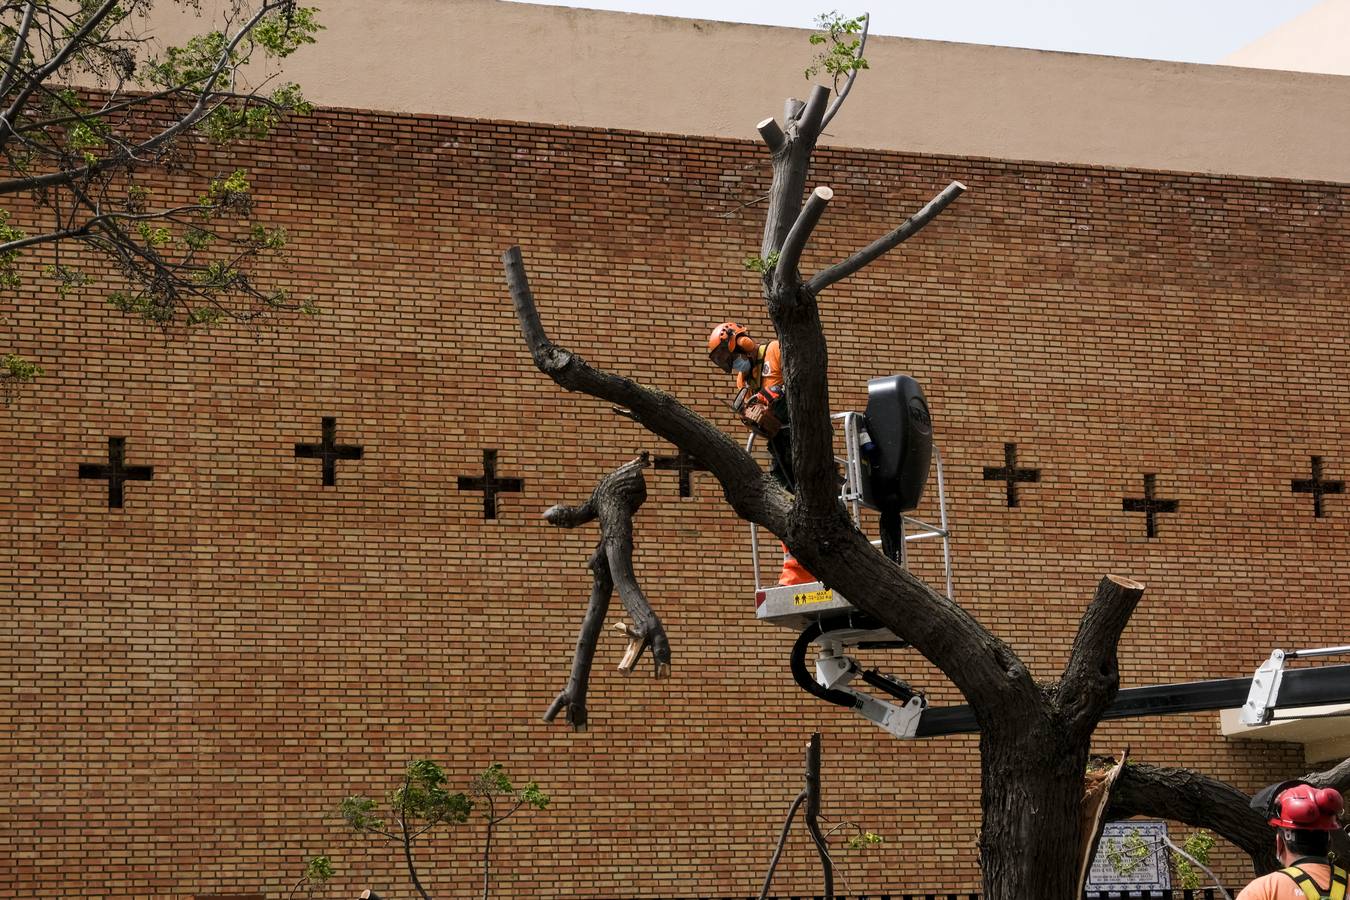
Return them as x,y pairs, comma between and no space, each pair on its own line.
721,357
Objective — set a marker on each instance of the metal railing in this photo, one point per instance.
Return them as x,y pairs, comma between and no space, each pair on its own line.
851,493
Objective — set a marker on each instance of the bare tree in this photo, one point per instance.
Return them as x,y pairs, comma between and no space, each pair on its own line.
1034,734
89,105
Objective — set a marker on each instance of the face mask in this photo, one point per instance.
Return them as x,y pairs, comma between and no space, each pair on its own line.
741,365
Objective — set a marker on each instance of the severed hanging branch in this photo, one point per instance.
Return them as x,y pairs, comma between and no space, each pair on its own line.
614,502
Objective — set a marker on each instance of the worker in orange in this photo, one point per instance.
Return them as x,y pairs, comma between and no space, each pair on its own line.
1304,818
762,405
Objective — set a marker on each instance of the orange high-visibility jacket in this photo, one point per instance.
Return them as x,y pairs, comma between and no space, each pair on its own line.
767,373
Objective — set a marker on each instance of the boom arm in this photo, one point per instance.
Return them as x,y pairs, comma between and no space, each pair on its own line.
1272,687
1296,688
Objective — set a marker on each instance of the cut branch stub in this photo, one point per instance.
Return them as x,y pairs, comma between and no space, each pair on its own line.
882,245
790,166
614,502
813,113
773,136
1092,676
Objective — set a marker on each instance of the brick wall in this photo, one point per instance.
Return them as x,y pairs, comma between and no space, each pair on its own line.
197,679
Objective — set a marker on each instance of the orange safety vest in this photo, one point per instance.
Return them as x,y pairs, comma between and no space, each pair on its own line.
768,370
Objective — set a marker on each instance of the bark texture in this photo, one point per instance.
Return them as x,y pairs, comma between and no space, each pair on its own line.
614,502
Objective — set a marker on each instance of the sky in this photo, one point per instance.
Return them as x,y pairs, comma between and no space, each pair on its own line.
1199,31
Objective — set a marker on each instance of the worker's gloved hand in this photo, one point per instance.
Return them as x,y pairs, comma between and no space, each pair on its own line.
758,417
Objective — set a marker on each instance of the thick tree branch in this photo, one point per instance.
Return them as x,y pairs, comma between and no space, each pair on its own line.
811,813
754,496
1185,796
207,98
820,533
1338,777
785,272
808,123
782,842
805,376
1205,802
98,220
1092,675
882,245
20,42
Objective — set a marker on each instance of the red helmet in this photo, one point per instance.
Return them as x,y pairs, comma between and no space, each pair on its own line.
725,341
1307,808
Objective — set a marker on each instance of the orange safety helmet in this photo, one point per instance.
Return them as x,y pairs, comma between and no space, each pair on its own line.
1307,808
725,341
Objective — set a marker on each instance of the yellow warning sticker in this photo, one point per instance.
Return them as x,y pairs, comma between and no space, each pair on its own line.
809,597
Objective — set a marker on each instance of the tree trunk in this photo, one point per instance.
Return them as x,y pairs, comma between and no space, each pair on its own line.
1031,793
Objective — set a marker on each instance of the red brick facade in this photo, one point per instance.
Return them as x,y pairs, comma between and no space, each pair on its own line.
197,679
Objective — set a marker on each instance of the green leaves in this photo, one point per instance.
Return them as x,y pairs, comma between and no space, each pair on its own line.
492,780
318,870
1126,856
423,796
423,802
9,271
1197,846
154,308
282,33
16,368
533,796
256,118
492,783
762,264
192,65
865,839
153,236
359,814
205,316
189,255
264,238
189,66
230,193
840,56
1130,854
